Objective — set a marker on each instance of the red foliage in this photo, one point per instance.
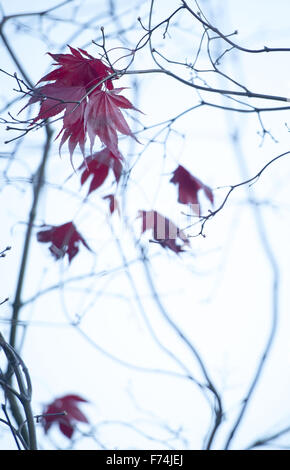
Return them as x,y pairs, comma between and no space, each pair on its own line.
90,107
64,240
98,165
104,118
54,99
76,70
165,232
64,411
188,187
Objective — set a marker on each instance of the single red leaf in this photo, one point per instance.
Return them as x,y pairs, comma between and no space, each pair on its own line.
77,414
99,173
54,99
64,411
97,165
164,231
66,428
103,118
52,412
189,186
64,239
76,70
51,101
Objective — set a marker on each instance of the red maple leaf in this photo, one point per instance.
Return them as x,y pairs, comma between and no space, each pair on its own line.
98,165
164,231
103,117
189,186
64,240
76,70
55,98
64,411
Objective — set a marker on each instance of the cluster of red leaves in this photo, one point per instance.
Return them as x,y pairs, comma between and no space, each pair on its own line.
65,412
164,231
64,239
81,88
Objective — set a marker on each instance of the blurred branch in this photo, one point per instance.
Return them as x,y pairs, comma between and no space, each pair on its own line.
208,26
18,369
217,407
275,274
268,439
39,179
